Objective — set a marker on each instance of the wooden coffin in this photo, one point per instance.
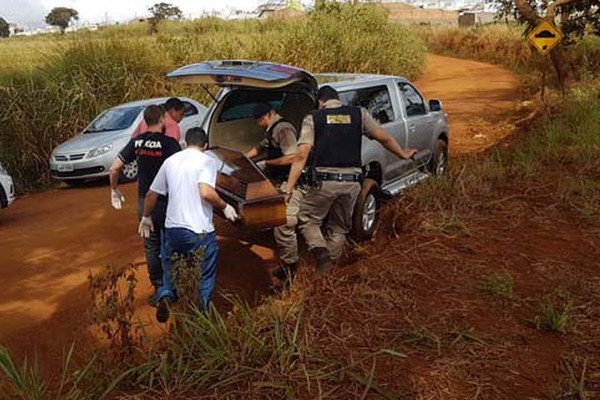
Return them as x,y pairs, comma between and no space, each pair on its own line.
243,185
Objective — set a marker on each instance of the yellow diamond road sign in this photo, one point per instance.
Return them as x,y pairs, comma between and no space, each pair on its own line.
545,36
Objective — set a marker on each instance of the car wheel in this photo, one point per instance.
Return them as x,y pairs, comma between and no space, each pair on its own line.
129,173
439,163
364,219
3,198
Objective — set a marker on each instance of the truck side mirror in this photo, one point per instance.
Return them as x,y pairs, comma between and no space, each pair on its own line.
435,105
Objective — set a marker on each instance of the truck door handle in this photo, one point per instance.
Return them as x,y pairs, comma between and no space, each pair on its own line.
412,128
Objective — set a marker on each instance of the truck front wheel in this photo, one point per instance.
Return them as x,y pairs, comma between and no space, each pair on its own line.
364,219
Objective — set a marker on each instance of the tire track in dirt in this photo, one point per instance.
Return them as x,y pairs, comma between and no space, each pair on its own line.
51,240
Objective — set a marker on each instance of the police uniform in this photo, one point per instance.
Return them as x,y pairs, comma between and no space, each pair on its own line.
335,134
281,140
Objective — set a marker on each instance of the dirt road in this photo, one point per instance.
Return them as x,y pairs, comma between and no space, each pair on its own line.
50,240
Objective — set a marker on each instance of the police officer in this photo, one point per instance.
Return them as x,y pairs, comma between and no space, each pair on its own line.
279,146
332,138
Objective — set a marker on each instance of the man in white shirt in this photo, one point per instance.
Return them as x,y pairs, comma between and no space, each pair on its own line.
188,178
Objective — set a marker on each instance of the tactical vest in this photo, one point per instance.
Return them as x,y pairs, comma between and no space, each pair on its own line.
338,137
274,152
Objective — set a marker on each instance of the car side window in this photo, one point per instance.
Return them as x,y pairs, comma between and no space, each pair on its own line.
413,102
375,99
190,109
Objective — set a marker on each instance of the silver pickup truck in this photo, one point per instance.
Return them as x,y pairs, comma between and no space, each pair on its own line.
393,101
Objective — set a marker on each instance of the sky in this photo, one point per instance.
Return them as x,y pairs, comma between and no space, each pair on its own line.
32,12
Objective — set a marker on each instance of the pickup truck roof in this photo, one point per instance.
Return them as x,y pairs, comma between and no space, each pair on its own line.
339,80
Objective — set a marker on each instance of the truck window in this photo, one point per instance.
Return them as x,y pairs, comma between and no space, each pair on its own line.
375,99
413,102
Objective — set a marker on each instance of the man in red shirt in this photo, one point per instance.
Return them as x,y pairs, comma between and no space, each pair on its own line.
175,111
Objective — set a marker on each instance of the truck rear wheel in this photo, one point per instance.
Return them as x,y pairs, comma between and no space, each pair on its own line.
364,219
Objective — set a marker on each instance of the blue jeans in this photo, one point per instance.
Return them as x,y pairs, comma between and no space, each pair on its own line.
153,244
182,241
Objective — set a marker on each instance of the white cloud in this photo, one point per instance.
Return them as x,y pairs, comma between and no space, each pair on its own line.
26,12
94,10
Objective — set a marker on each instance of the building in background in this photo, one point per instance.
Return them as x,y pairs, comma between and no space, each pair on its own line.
280,8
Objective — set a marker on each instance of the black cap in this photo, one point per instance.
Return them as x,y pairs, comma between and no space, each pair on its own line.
261,109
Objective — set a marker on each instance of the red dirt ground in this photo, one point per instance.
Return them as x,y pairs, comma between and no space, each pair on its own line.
51,240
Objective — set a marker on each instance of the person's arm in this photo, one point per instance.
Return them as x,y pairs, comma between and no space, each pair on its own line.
114,173
390,144
126,155
376,132
149,203
281,161
159,187
288,142
254,152
146,226
207,180
209,194
173,130
297,167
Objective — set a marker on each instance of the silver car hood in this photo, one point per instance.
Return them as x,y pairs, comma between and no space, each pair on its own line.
88,141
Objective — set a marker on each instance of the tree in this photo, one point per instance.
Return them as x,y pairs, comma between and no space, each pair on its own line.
162,11
4,28
61,17
573,18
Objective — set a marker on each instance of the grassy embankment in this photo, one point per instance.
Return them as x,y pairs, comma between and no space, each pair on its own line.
53,85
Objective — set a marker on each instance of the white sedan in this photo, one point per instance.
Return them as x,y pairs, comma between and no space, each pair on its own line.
7,189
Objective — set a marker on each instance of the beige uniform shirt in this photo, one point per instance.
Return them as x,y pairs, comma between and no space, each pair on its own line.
284,136
307,134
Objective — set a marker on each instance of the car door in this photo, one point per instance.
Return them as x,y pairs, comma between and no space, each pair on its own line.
418,120
377,100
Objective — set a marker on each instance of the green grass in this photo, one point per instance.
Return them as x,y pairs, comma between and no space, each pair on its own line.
555,315
501,284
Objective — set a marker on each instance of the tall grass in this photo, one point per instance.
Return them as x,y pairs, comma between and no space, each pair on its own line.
555,160
68,80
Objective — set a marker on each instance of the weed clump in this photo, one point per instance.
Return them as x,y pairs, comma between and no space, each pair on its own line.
500,284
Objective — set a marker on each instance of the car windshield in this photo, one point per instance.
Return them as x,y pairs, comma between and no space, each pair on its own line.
114,119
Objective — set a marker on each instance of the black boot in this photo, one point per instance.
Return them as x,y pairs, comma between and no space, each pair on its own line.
286,271
285,274
162,309
324,262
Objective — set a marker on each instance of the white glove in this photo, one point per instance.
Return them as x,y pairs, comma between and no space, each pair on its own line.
262,165
117,199
146,227
230,213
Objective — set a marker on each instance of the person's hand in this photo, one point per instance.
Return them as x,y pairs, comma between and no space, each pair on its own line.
410,153
117,199
230,213
262,165
146,227
288,197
